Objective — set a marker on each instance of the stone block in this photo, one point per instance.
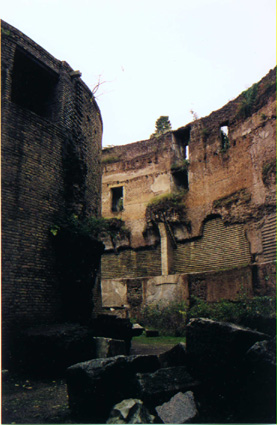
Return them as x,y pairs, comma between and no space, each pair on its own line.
156,388
131,411
174,357
108,347
180,409
215,349
94,387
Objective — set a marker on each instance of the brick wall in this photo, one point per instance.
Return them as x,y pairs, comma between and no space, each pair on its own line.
220,247
51,149
131,263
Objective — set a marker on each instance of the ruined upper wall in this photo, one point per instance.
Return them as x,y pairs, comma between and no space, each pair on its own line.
51,150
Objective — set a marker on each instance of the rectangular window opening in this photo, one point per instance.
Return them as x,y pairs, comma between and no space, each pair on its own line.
33,85
117,199
224,131
182,139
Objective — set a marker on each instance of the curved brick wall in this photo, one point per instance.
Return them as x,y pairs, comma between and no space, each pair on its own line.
51,147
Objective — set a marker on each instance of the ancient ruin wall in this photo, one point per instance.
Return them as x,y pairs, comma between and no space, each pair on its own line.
51,146
229,200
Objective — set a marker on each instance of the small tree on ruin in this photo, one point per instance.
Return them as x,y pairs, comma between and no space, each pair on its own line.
162,126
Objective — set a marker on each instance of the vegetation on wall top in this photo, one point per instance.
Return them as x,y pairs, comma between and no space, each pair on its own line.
247,102
162,126
167,207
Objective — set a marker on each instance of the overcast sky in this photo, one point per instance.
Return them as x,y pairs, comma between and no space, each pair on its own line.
156,57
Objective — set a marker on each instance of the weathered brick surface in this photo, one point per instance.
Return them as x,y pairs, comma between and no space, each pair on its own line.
230,202
50,168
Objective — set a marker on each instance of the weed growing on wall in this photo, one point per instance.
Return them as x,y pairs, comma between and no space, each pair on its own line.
247,102
167,207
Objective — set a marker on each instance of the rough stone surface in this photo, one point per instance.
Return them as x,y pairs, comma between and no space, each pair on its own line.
158,387
108,347
174,357
180,409
110,326
258,392
137,330
215,349
130,411
94,387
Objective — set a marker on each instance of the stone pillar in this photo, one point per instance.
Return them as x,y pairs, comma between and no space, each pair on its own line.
166,250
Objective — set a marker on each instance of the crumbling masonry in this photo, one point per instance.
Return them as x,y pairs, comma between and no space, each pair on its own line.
216,234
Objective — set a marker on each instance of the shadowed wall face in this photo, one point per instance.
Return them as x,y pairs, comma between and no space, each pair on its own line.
51,127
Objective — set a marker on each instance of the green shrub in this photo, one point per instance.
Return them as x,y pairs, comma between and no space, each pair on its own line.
96,227
238,311
169,319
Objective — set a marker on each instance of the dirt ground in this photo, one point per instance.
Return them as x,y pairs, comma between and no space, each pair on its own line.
27,400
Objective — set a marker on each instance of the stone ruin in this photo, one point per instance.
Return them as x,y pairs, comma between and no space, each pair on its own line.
223,374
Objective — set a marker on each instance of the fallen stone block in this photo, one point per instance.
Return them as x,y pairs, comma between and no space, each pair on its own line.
157,387
108,347
137,330
110,326
49,350
180,409
215,349
257,401
94,387
130,411
174,357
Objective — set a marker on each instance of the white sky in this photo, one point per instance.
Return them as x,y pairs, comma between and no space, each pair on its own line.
158,57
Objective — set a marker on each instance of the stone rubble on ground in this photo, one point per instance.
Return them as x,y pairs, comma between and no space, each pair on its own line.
130,411
180,409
